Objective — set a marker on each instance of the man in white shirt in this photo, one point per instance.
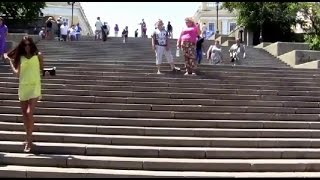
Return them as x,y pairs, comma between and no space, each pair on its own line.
98,29
72,33
204,30
160,43
235,51
64,31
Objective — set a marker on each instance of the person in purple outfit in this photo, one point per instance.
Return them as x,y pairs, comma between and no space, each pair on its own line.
3,37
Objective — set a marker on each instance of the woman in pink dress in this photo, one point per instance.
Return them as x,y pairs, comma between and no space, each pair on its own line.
187,41
3,37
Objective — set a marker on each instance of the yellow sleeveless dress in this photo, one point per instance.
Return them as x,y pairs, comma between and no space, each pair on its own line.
29,78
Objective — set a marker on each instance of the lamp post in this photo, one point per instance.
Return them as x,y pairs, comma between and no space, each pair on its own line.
261,23
72,4
241,32
217,6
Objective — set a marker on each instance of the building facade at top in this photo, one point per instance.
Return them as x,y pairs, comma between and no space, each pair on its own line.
207,13
56,9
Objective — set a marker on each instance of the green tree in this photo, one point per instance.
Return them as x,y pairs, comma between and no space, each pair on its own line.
273,19
309,19
27,11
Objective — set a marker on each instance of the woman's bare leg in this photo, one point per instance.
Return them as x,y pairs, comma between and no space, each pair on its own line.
29,122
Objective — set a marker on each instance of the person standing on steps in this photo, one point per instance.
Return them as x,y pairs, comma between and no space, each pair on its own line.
49,30
199,49
204,30
98,31
187,41
78,31
143,28
59,23
27,62
160,44
235,51
64,31
136,33
214,53
125,33
3,37
169,29
105,31
116,30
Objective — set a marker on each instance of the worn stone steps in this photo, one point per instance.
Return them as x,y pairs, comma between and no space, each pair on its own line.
44,172
164,108
167,114
107,114
167,131
167,164
170,141
163,152
182,123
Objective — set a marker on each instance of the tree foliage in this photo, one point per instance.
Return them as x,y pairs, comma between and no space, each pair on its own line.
309,19
27,10
274,17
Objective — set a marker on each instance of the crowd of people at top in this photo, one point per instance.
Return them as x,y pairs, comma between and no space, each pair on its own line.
63,31
190,43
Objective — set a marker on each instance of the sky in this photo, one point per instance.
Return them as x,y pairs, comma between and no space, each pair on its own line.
131,13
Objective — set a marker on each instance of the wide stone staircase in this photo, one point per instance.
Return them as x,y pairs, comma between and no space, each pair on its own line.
107,114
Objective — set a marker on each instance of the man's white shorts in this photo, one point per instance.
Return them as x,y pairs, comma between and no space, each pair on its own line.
160,50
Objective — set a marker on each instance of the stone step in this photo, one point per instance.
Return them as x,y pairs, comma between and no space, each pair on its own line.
166,164
160,85
100,91
164,140
65,70
163,82
151,122
162,152
166,131
68,72
163,114
14,171
205,68
165,108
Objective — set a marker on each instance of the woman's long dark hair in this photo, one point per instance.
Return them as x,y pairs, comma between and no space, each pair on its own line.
19,51
1,19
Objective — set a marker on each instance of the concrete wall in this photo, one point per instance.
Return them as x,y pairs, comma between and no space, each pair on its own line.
280,48
224,38
297,57
309,65
263,44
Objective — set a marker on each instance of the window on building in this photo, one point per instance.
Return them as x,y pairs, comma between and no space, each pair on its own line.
232,26
211,27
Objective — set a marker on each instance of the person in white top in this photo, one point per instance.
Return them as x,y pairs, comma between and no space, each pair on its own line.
204,30
214,54
72,33
161,46
78,30
64,31
235,51
98,31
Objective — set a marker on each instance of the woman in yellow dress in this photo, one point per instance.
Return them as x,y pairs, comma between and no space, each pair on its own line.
27,62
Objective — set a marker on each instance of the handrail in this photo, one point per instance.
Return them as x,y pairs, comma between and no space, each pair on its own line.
85,19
